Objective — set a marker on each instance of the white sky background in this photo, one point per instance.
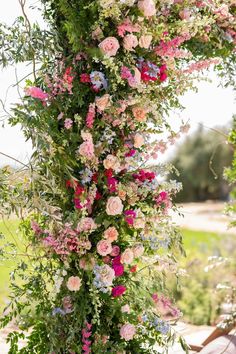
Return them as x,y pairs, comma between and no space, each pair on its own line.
212,105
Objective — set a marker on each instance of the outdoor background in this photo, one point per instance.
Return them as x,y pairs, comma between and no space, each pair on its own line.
200,157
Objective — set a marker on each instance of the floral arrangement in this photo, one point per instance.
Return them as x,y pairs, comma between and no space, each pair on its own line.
100,229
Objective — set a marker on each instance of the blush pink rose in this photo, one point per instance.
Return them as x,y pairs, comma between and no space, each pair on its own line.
86,224
185,14
73,283
109,46
134,81
111,162
145,41
130,42
125,309
138,250
127,331
86,149
104,247
114,206
111,234
147,7
127,256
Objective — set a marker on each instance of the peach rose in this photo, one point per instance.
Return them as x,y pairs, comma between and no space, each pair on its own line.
145,41
114,206
147,7
139,113
130,42
112,162
139,223
138,140
111,234
73,283
104,247
109,46
127,331
122,194
127,256
102,102
138,250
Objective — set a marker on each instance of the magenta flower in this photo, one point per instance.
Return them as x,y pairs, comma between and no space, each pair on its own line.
118,290
119,270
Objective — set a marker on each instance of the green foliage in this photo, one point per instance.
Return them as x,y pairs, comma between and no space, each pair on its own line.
200,161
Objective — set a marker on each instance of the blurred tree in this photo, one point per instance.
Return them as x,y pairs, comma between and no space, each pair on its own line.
200,161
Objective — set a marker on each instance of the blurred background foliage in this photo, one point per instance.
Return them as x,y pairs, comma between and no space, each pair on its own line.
200,161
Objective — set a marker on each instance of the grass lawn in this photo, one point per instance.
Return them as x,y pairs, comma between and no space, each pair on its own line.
9,230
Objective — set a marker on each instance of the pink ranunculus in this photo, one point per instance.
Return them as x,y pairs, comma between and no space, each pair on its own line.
104,247
115,251
111,234
127,331
109,46
119,269
114,206
130,42
127,256
118,290
73,283
147,7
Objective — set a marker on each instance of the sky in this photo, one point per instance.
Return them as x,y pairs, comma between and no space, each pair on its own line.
211,106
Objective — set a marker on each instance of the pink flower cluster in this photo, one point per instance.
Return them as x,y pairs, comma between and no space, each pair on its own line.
118,290
90,115
201,65
36,92
163,200
143,176
86,334
171,48
127,26
130,216
61,82
166,304
67,241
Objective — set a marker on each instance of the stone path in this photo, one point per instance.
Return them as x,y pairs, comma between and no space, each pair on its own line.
208,216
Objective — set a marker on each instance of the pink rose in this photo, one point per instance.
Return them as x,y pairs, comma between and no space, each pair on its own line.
147,7
115,251
104,247
118,290
125,309
127,256
135,80
145,41
130,42
86,224
127,331
114,206
139,113
109,46
73,283
86,150
102,102
138,250
111,234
